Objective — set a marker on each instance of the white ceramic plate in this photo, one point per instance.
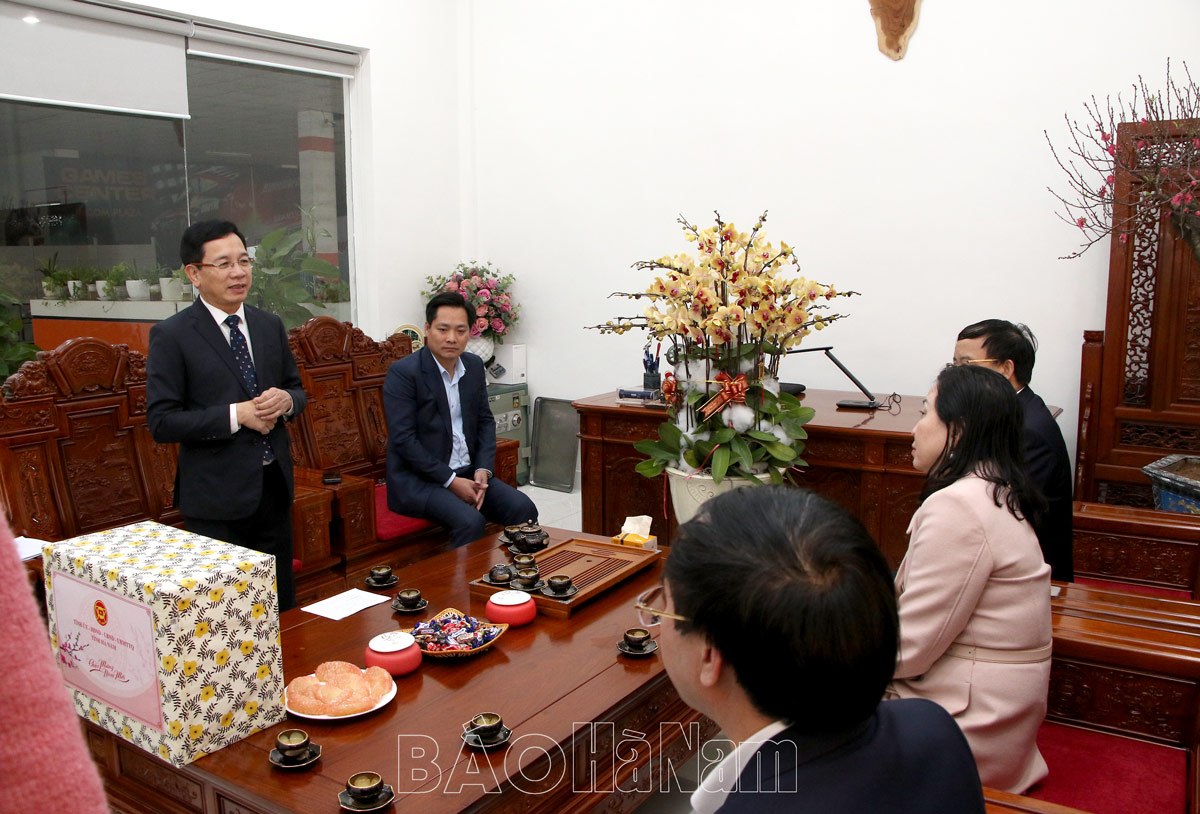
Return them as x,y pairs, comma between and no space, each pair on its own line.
387,697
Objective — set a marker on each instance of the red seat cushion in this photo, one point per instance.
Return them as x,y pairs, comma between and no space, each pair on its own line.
1110,774
389,525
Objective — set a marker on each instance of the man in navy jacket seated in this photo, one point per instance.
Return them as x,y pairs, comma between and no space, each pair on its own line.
778,621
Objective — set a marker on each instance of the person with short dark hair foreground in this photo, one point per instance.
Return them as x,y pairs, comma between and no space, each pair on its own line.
778,621
974,591
1009,350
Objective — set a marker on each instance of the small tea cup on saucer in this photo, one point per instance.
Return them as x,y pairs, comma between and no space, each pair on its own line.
409,598
524,561
486,725
292,743
364,786
381,573
559,583
636,638
527,577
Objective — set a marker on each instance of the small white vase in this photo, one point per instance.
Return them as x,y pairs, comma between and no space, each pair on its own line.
689,492
76,289
138,289
482,346
172,289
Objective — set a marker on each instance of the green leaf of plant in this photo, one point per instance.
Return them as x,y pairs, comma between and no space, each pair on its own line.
765,437
690,456
793,426
780,452
650,468
799,462
806,413
741,451
671,435
788,401
694,396
723,435
742,473
319,266
720,463
776,477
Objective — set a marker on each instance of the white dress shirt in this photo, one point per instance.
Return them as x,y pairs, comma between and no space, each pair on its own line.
459,455
723,777
220,317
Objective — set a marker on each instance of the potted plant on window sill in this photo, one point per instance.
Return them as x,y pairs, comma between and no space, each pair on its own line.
728,315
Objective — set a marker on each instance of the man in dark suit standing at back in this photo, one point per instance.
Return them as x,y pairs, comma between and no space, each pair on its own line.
442,435
220,377
1009,350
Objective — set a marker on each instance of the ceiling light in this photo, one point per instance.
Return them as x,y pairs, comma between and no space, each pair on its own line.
30,18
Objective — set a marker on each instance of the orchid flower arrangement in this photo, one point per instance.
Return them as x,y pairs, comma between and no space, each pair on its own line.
728,315
488,295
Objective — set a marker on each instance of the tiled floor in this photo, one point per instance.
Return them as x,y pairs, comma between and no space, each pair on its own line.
562,510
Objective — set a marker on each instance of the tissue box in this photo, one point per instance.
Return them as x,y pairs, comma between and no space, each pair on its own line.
637,541
166,638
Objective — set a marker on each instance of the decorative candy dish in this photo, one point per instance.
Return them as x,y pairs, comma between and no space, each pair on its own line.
451,626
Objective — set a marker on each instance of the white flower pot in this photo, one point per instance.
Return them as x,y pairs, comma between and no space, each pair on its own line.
53,291
689,492
138,289
172,289
482,346
77,289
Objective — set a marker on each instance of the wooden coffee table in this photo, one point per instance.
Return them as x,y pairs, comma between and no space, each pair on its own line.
559,683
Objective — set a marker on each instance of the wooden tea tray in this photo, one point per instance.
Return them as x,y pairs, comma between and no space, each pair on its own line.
593,567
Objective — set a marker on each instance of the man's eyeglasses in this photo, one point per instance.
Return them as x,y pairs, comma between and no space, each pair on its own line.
977,361
650,616
243,263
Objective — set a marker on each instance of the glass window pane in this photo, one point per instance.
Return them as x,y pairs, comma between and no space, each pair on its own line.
266,150
90,189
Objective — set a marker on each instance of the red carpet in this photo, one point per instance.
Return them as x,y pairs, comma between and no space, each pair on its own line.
1134,589
1108,774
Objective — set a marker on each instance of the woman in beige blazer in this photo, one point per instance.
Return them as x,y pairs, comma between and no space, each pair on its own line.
973,589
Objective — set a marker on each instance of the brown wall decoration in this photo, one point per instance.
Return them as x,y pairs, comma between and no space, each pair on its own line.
895,22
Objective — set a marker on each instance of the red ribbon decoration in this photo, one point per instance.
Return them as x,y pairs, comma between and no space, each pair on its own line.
670,389
732,390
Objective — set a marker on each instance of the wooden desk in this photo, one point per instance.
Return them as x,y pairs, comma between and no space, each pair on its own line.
860,458
549,680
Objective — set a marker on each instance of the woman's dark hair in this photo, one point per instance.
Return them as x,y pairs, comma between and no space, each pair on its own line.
796,596
984,422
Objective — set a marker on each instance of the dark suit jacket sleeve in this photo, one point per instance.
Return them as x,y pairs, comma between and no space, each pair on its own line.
484,454
168,410
400,405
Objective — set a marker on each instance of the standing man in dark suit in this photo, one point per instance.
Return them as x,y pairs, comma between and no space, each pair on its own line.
220,382
777,619
1009,350
442,435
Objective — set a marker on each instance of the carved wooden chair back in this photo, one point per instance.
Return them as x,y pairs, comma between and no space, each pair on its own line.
344,428
75,453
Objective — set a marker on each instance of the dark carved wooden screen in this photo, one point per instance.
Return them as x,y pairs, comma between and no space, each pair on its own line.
1140,385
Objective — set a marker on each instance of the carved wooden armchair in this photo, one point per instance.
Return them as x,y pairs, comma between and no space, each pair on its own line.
76,455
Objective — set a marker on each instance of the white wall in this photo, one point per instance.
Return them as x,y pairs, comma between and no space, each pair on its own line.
919,183
560,140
